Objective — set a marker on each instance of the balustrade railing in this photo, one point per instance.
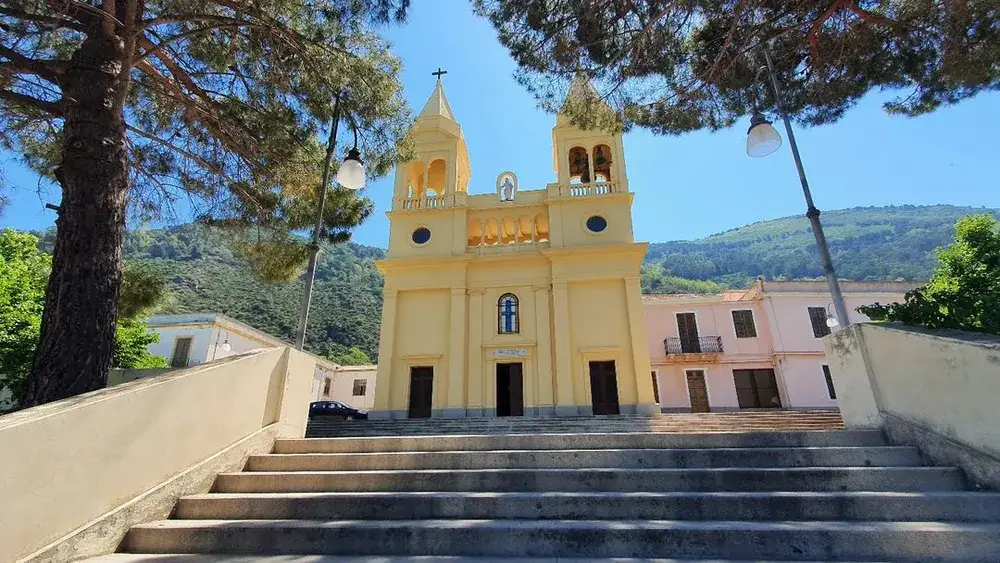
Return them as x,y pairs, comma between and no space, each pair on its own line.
589,189
432,202
698,345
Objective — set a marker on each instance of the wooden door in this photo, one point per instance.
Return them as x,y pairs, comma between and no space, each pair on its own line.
604,388
757,389
687,330
421,391
697,390
510,390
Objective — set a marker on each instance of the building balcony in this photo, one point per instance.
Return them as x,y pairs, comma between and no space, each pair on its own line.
700,349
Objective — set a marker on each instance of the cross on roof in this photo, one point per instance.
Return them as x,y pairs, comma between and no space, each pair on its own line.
439,73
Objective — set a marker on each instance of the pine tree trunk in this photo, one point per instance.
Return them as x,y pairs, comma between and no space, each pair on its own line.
81,304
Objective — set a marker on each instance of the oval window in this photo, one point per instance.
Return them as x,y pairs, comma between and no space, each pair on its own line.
421,235
597,224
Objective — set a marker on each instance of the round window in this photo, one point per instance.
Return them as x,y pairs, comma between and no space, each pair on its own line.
421,235
597,224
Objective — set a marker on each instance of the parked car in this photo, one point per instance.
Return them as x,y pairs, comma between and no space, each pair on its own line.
336,409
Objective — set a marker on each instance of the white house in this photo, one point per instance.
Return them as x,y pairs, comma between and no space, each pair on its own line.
192,339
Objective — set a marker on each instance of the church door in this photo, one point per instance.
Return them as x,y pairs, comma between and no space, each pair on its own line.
510,390
421,391
604,387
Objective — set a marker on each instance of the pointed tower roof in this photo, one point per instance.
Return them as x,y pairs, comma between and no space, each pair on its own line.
437,105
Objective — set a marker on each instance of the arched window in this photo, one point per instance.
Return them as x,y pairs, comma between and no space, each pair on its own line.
507,315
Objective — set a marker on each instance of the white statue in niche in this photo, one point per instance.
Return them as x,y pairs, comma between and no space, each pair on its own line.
507,186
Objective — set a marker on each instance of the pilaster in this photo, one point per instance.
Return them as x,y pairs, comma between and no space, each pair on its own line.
387,333
475,369
455,404
545,393
646,402
564,368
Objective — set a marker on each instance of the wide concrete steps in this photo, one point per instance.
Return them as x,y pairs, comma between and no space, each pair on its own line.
580,459
955,506
790,540
630,496
585,441
320,427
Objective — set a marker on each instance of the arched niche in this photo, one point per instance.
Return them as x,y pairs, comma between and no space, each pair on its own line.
541,227
491,232
437,176
579,166
602,163
475,232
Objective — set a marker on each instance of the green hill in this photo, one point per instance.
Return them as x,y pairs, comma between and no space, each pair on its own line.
873,243
867,243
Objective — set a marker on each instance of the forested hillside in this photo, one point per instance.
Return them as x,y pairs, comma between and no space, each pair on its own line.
867,243
874,243
205,278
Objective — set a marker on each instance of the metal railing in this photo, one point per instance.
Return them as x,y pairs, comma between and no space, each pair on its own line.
700,345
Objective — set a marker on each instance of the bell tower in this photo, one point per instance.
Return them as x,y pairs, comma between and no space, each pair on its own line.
440,168
585,157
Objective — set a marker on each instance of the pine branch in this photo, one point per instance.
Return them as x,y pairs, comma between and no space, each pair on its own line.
53,108
49,70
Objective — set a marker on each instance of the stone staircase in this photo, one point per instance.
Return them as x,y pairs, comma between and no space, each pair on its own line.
592,489
710,422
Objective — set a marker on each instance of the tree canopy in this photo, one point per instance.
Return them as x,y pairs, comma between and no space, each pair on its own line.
680,65
215,106
964,292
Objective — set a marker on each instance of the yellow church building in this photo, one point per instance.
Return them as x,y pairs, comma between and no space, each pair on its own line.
512,302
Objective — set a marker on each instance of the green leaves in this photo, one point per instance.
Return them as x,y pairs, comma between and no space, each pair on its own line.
964,292
676,66
24,272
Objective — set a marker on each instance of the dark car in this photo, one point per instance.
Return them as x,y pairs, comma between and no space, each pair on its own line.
336,409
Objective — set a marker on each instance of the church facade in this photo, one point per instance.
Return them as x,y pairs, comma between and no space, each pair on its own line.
512,302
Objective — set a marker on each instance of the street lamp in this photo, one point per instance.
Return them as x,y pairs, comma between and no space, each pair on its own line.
762,140
350,175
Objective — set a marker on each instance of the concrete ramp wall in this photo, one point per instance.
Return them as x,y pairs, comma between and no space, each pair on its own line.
77,473
936,389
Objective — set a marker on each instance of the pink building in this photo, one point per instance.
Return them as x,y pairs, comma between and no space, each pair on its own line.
757,348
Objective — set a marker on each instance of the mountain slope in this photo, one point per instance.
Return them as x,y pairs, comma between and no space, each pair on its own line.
867,243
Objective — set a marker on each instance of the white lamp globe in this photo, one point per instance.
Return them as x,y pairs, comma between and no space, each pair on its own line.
352,172
832,322
762,138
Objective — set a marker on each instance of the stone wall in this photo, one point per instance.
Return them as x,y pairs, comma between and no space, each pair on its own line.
939,390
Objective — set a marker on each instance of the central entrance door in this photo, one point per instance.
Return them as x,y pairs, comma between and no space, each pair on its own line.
697,390
604,388
421,391
510,390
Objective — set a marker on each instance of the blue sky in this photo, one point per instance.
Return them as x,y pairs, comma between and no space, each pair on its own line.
687,186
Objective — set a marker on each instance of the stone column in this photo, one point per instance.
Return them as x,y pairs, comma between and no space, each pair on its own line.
475,379
646,403
455,402
565,406
383,380
545,397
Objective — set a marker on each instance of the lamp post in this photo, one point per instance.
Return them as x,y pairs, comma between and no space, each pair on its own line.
224,346
762,140
351,175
